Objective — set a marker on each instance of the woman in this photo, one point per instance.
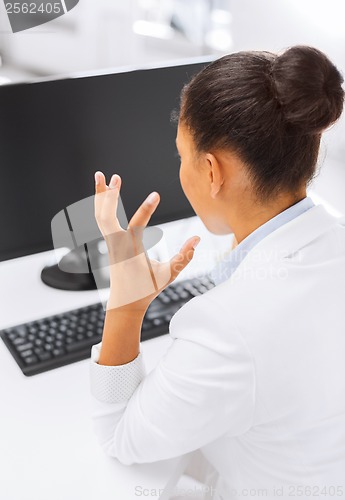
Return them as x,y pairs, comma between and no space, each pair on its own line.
255,376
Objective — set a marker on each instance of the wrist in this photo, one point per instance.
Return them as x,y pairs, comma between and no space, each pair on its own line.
131,284
129,311
121,336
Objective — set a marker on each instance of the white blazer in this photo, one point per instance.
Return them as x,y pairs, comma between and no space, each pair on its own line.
255,376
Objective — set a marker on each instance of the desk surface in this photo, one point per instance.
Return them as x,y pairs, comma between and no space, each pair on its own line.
47,444
48,448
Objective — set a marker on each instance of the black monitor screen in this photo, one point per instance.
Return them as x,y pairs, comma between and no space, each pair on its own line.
55,134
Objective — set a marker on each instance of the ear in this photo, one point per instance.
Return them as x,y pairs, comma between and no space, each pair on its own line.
215,173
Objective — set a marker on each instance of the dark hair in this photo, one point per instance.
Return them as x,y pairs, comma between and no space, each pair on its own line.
269,109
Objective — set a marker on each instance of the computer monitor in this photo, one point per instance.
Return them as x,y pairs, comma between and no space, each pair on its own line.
55,134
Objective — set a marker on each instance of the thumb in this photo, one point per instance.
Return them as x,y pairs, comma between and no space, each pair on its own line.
183,257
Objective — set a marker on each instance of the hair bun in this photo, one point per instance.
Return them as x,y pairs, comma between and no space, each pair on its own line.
308,88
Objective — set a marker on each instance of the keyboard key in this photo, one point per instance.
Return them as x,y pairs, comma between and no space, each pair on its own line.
24,347
21,331
30,360
80,345
158,321
195,281
25,354
146,324
44,356
58,352
151,315
18,341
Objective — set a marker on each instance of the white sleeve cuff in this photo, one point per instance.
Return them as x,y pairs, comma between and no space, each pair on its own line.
115,384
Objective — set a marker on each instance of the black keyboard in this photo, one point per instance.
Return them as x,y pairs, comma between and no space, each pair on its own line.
64,338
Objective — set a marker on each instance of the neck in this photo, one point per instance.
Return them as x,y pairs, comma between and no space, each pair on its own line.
251,216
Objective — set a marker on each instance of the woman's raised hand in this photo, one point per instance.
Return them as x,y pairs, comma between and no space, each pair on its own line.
135,280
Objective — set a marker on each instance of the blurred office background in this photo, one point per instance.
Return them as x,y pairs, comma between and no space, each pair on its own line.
100,35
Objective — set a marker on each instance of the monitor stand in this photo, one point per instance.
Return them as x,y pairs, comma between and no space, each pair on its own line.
55,277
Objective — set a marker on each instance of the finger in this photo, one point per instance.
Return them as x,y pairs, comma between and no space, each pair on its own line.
108,214
115,182
106,200
100,185
183,257
145,211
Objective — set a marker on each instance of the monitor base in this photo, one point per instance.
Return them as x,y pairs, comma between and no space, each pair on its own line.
55,278
76,280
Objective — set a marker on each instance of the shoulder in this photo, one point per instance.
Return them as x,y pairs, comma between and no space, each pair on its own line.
203,309
208,320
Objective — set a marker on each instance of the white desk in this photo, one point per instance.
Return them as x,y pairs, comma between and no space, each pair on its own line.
48,450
